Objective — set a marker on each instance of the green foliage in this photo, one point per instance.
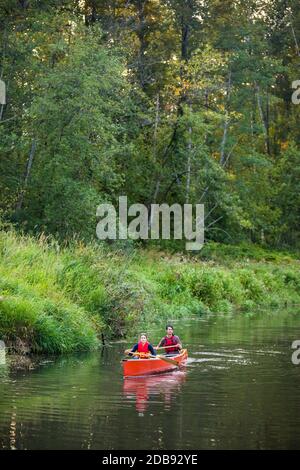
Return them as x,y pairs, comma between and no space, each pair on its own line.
33,307
55,299
243,252
157,100
287,174
44,325
165,102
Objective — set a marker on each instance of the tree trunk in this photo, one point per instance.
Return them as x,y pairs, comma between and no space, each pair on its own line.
157,186
143,43
263,119
226,123
295,38
184,40
188,178
2,72
27,175
185,30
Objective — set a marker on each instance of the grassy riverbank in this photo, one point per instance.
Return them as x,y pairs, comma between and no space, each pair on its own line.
59,300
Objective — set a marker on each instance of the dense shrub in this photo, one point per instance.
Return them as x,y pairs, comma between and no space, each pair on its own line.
58,300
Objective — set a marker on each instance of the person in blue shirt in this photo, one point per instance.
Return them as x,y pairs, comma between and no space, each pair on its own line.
143,347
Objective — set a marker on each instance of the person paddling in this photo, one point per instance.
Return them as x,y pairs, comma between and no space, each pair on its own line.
170,342
143,347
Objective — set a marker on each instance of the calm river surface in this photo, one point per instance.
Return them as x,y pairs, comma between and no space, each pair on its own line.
239,389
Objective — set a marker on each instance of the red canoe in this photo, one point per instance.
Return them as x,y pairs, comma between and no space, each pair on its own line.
153,365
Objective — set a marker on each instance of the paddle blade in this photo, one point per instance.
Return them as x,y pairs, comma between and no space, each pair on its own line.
167,359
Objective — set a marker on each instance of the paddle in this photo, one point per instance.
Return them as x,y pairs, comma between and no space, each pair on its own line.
165,347
138,354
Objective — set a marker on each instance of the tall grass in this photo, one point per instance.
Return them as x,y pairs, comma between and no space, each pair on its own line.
60,299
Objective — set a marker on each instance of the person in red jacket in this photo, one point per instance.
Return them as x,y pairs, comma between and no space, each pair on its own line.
143,347
170,342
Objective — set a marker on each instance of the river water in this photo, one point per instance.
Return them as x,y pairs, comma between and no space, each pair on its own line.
239,390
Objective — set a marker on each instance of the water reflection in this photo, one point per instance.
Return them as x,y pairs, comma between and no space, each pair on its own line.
142,389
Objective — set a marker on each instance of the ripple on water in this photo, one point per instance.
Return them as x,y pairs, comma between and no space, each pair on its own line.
236,391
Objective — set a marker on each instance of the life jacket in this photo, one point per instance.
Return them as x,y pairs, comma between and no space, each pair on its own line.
143,349
170,342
